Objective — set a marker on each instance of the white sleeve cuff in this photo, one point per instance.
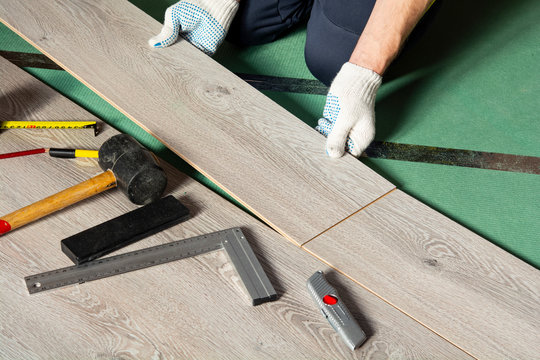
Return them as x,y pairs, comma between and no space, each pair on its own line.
222,10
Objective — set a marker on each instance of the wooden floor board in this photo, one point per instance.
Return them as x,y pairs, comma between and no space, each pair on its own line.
251,147
466,289
193,308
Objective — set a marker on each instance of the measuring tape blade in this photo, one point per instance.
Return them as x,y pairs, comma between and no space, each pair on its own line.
49,125
123,263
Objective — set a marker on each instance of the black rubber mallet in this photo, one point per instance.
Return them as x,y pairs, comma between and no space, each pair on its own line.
126,164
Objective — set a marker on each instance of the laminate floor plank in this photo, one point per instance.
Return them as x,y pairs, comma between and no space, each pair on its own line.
192,308
466,289
252,148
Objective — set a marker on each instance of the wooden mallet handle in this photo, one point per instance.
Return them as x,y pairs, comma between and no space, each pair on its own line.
57,201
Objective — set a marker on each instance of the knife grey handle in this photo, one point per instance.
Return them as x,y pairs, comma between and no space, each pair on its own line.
335,310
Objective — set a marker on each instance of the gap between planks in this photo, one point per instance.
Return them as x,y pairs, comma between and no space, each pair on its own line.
385,300
354,213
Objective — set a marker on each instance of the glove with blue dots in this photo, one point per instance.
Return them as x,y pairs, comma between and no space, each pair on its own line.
349,114
204,23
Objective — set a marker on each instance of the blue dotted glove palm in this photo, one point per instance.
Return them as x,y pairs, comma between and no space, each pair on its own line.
204,23
349,113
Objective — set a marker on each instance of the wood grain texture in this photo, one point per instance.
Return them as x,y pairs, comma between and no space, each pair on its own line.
189,309
466,289
252,148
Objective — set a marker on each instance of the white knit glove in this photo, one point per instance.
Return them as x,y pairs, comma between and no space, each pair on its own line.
349,114
204,23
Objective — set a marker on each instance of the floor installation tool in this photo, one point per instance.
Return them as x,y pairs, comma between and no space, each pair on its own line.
50,125
232,241
125,163
54,152
123,230
335,311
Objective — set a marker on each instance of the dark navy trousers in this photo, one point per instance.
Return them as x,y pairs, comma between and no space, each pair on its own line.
333,28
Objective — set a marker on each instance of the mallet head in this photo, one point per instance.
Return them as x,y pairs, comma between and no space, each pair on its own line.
135,168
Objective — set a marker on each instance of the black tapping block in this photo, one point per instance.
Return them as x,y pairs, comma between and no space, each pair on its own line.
124,230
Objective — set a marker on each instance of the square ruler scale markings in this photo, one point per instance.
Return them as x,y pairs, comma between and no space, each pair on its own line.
232,241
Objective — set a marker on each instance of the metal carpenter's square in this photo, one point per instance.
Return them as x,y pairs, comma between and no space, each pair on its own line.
232,241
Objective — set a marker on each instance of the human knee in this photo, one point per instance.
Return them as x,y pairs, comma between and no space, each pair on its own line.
324,60
332,33
318,65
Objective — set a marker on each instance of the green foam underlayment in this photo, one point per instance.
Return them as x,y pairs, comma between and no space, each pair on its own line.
468,79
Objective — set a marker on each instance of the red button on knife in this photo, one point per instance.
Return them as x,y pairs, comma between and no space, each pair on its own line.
330,300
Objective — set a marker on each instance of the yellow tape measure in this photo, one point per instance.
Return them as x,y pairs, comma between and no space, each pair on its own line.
49,125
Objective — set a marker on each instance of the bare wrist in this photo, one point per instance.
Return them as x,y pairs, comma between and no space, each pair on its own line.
364,60
374,55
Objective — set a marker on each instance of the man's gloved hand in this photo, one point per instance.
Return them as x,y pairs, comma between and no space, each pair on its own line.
204,23
349,114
